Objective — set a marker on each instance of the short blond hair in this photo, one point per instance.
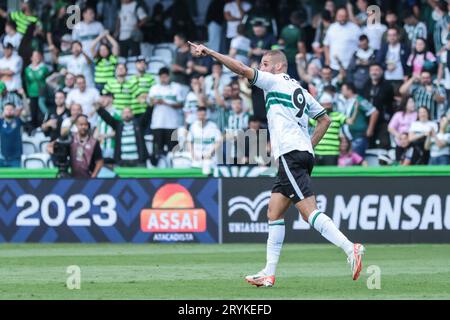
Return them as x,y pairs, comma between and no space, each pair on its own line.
277,56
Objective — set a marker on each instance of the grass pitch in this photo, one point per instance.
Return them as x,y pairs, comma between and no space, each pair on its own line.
154,271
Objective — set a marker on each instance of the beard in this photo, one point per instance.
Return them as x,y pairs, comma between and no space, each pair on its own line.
83,133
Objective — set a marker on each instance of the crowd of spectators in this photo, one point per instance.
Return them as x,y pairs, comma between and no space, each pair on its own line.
382,73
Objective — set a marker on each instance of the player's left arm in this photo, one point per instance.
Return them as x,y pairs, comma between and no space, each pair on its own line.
323,122
318,113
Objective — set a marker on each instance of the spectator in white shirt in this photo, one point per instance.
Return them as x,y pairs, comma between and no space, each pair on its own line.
11,35
444,69
234,12
166,99
240,46
68,125
87,30
419,131
78,63
438,144
374,30
10,68
214,86
69,82
85,96
393,56
131,17
216,79
194,99
341,41
204,140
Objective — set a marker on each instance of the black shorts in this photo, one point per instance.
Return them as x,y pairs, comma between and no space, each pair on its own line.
294,175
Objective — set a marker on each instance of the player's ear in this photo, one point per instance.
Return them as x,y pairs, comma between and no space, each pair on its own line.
278,66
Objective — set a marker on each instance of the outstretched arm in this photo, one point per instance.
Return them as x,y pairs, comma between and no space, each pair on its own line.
113,123
95,42
199,50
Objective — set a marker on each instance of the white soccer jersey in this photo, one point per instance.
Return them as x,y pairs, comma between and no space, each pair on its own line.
190,107
164,116
203,138
78,66
288,108
86,34
242,45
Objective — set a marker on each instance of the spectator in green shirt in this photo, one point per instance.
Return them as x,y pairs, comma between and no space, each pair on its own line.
124,91
292,39
35,75
27,20
105,59
327,151
144,81
25,17
364,125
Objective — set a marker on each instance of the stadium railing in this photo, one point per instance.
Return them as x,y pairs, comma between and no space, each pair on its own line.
382,171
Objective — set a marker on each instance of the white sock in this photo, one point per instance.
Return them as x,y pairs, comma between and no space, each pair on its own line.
322,223
274,244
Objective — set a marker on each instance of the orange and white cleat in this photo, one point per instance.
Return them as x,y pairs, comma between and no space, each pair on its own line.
261,280
355,260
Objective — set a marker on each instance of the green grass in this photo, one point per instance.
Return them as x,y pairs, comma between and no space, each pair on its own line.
38,271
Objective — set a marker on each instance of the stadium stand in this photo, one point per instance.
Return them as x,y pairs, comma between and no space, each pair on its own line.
382,72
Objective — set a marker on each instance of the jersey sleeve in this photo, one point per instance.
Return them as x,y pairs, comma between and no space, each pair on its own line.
217,134
366,107
140,13
356,158
190,136
152,92
263,80
233,44
179,95
315,110
186,103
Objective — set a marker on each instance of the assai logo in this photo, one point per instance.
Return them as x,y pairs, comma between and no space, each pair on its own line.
252,209
173,211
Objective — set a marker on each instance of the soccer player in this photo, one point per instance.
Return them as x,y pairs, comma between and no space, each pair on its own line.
289,108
